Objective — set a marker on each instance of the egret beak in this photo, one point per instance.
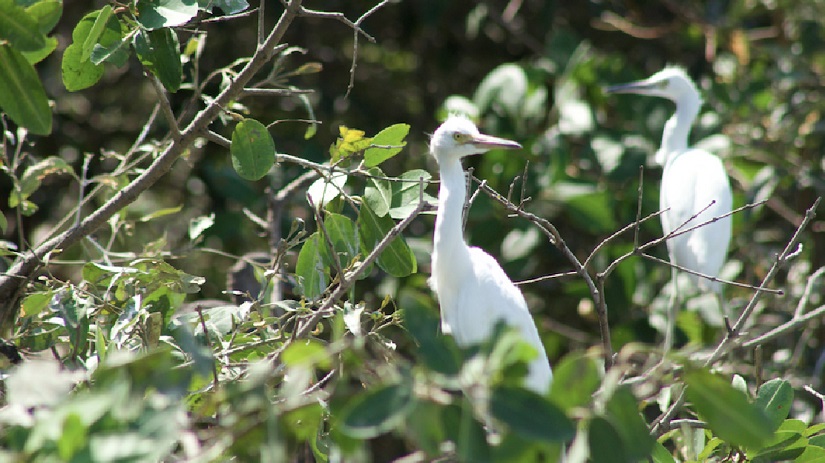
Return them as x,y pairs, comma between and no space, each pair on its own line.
641,87
488,142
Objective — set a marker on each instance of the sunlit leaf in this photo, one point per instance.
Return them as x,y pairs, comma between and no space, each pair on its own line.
386,144
325,189
34,303
154,14
198,225
252,149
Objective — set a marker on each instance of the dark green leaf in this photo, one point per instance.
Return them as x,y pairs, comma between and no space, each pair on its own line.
394,136
311,268
605,442
377,410
438,352
343,235
466,432
159,51
154,14
530,415
622,410
575,379
252,149
774,399
19,28
727,411
397,259
22,96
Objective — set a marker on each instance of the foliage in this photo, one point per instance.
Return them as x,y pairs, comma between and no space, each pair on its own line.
178,142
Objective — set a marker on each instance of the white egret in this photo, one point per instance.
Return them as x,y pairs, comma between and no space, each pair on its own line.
472,289
694,183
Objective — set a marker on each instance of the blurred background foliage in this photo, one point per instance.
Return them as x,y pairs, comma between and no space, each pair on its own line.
528,70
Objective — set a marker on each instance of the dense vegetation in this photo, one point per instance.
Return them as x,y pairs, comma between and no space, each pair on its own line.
217,221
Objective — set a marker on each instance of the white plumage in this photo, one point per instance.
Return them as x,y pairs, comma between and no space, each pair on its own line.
472,289
694,180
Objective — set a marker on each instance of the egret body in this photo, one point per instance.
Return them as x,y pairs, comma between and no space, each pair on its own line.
694,183
472,289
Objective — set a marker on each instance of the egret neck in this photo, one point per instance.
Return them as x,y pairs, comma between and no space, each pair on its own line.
450,249
677,129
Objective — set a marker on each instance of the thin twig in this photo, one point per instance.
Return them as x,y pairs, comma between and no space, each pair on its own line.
165,106
778,292
728,342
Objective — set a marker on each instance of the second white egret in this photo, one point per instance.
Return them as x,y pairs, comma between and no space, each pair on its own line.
695,187
472,289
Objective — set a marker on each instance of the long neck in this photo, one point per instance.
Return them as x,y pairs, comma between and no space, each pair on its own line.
448,240
677,130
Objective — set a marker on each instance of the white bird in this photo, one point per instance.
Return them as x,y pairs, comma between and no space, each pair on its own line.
694,183
472,289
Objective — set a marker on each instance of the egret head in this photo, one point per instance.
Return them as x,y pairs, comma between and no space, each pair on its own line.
458,137
671,82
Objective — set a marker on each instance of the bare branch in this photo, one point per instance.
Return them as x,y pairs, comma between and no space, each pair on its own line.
660,424
165,106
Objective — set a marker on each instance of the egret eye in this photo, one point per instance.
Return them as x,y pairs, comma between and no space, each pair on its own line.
663,84
458,136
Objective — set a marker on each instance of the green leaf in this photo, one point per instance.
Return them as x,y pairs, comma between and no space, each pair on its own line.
35,57
622,411
811,454
116,53
311,267
605,442
397,259
393,135
774,399
34,303
4,223
19,28
159,51
660,454
438,352
575,379
306,353
727,411
154,14
252,149
34,175
343,235
467,433
530,415
22,96
79,74
47,13
95,32
406,194
505,86
161,213
378,193
73,438
377,411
